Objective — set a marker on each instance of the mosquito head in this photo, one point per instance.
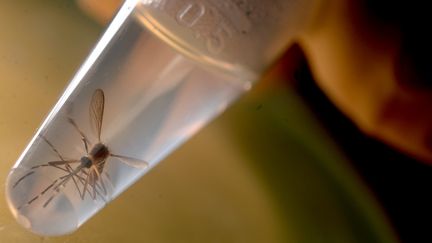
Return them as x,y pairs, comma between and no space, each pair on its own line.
86,161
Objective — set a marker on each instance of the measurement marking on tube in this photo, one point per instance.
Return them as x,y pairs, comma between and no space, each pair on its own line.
216,41
215,33
190,14
213,21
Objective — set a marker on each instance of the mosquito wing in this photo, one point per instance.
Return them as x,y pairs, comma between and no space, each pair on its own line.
133,162
97,110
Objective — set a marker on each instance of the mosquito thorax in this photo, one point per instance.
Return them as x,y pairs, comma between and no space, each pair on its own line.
99,152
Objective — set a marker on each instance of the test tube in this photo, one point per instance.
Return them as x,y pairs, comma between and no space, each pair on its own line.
161,71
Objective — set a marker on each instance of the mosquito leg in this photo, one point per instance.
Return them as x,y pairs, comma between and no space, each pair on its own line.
83,136
73,178
82,180
98,188
22,178
54,164
40,194
100,195
87,181
100,167
57,188
45,165
51,146
56,191
86,184
92,182
65,180
65,162
99,177
103,185
108,176
95,192
85,145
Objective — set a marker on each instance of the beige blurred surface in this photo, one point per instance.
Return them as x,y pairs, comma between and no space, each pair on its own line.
211,189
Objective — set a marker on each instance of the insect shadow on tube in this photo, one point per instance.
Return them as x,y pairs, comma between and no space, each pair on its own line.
85,172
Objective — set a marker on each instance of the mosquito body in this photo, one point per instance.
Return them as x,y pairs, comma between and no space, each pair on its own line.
87,173
98,154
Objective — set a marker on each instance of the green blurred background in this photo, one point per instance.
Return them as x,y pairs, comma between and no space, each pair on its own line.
265,171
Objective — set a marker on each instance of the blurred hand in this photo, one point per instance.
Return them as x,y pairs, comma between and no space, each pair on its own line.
102,11
373,60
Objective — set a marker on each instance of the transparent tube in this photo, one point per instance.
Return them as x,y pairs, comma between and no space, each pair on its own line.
162,70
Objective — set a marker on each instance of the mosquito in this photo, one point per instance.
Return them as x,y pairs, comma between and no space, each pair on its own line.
88,169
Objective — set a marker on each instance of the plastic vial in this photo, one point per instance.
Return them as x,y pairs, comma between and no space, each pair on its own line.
162,70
